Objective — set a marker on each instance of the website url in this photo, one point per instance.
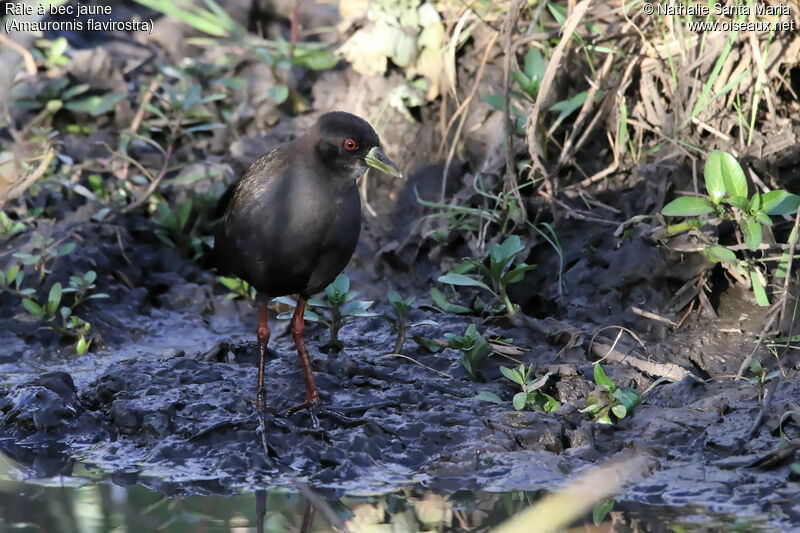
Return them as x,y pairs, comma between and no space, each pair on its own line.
734,25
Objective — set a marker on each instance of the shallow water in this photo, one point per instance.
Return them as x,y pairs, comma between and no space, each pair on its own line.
90,502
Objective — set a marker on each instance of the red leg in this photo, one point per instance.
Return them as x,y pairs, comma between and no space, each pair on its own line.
298,326
263,339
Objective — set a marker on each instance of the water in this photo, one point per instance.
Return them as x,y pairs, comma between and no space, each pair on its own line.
88,502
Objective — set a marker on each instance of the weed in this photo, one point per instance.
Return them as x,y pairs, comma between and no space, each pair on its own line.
341,303
499,273
8,226
761,377
238,288
45,252
473,347
175,231
531,393
726,199
70,324
400,308
620,402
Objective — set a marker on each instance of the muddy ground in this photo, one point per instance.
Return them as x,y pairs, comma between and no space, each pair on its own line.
168,400
166,396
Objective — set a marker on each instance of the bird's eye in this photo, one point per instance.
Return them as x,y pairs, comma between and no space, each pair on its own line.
350,144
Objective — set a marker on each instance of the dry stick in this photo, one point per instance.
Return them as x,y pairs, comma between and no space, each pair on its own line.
139,117
511,174
21,186
155,183
653,316
464,105
27,57
746,363
789,267
570,147
544,88
443,374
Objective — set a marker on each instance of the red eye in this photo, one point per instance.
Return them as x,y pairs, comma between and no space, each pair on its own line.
350,144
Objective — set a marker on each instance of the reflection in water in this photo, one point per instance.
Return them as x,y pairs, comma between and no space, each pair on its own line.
84,501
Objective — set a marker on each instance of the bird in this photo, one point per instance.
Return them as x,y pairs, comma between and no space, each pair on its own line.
292,222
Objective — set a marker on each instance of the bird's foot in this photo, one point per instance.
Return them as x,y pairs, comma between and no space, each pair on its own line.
312,405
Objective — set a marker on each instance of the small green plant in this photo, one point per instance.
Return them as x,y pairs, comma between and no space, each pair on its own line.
761,377
530,395
611,400
11,281
45,251
400,308
70,325
727,199
340,302
473,347
175,231
80,287
499,273
8,226
238,288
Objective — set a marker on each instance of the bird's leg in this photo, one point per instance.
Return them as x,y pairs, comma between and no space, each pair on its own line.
298,327
263,339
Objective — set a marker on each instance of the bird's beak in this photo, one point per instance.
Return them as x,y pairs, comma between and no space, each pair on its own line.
377,159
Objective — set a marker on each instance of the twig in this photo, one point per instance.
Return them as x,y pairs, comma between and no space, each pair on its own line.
544,88
460,110
27,57
787,280
443,374
653,316
21,186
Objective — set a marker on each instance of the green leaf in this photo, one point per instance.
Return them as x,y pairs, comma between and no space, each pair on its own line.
486,396
278,93
440,300
81,346
763,218
65,249
517,274
628,398
95,105
600,511
779,203
720,254
758,289
619,411
724,175
751,230
739,202
715,186
602,380
11,275
537,383
512,374
755,366
462,281
426,344
569,106
32,307
54,298
534,64
688,206
519,401
499,253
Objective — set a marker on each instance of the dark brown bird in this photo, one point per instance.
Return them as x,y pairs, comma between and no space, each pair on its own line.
292,222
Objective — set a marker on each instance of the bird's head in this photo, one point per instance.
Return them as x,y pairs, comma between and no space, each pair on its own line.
347,145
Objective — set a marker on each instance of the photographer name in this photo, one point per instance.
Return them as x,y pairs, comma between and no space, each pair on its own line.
703,10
